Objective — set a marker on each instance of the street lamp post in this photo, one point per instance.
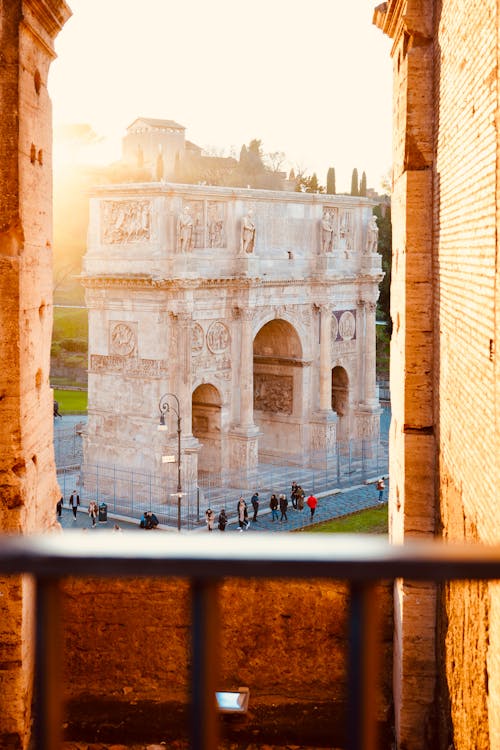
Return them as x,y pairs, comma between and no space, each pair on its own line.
165,407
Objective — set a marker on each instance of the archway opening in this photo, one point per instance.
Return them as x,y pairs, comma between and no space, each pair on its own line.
206,406
278,386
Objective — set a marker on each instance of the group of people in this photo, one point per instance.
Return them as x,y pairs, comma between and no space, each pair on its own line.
277,503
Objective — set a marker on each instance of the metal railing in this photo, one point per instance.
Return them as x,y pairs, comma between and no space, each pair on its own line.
361,561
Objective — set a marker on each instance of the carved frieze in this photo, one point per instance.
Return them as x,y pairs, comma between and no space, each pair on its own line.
347,325
218,337
122,338
344,325
209,361
273,393
150,368
124,222
197,339
216,224
323,438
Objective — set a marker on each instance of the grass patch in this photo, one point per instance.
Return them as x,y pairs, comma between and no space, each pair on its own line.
71,402
371,521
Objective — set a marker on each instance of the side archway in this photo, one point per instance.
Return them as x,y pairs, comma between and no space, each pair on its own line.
340,401
206,406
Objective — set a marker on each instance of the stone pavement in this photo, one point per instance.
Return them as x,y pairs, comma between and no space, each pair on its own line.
340,503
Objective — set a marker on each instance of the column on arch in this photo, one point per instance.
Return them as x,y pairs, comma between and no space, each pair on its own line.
184,378
325,369
370,379
246,369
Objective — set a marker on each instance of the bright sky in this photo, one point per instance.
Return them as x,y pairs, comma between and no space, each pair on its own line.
311,78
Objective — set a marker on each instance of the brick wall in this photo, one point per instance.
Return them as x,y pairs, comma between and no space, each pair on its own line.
445,447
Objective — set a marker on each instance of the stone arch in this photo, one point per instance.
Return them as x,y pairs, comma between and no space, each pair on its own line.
341,401
278,383
284,316
206,427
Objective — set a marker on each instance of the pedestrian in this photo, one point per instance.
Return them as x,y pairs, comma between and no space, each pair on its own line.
92,511
283,507
293,495
243,522
59,506
116,528
222,520
381,488
273,504
210,518
300,498
74,502
312,503
255,505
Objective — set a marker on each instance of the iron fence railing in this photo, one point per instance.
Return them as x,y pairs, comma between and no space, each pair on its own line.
360,561
129,492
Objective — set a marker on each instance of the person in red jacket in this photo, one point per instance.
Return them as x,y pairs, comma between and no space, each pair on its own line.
312,503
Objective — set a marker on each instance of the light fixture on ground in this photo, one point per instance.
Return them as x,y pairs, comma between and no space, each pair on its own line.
165,406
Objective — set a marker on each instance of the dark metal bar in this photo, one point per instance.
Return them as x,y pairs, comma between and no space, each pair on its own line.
362,682
205,640
352,557
48,698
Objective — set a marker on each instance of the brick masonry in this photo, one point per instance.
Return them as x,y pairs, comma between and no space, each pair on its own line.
445,445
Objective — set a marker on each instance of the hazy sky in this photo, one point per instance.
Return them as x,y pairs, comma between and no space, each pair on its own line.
311,78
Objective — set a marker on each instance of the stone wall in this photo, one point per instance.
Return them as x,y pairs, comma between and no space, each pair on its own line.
284,640
445,444
28,483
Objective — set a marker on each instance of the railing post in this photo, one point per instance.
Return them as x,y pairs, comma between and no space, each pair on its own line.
48,646
205,645
364,647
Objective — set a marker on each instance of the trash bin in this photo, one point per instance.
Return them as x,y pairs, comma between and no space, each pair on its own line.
103,513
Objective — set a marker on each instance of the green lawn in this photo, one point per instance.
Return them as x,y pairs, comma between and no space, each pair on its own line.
371,521
70,323
71,402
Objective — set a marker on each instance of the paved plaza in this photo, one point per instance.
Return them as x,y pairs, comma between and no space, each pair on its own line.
333,501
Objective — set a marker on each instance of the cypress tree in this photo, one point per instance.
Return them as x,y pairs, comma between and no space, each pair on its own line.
362,184
354,182
330,182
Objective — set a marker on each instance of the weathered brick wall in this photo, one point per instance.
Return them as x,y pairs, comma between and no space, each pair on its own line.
128,642
444,373
466,296
27,475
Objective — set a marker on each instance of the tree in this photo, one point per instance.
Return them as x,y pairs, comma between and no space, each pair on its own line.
362,184
383,214
354,182
275,160
330,182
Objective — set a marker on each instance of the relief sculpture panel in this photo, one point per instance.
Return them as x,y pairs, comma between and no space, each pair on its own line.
124,222
273,393
215,224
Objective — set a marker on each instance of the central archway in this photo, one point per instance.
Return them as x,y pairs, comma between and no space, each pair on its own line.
278,387
207,427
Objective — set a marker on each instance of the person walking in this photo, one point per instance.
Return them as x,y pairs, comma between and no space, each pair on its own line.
74,502
293,495
273,504
255,505
243,522
222,520
381,488
283,507
312,503
301,495
210,518
92,511
59,506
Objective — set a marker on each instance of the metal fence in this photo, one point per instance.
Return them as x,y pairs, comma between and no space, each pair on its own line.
359,561
130,493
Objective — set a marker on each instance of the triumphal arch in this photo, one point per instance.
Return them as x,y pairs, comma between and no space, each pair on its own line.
256,309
